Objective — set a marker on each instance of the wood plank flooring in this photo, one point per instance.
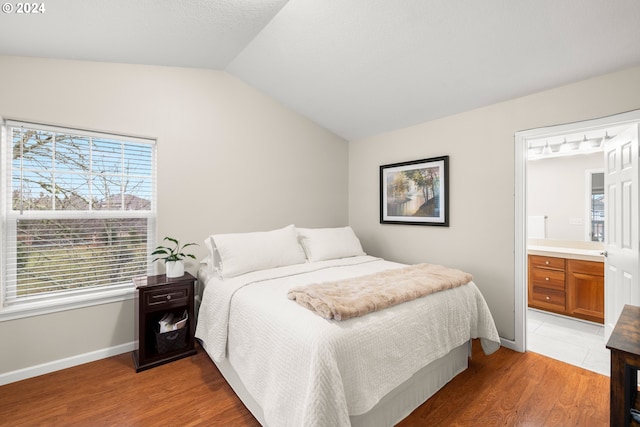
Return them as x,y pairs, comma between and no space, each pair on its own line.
504,389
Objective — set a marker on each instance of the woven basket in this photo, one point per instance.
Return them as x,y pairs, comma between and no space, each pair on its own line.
171,341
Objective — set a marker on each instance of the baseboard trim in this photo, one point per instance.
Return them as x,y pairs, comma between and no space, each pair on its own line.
510,344
68,362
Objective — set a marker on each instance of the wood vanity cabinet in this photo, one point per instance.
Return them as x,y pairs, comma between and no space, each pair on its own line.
585,290
567,286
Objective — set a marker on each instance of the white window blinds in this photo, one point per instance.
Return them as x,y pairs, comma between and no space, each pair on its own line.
79,211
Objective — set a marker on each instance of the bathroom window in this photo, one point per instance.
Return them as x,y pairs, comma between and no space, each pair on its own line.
596,232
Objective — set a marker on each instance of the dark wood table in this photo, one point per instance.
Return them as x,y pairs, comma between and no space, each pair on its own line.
157,296
624,344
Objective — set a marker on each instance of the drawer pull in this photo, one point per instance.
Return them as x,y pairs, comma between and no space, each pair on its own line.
547,298
169,296
546,262
546,278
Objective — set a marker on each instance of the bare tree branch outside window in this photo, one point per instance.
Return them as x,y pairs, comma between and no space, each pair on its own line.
56,173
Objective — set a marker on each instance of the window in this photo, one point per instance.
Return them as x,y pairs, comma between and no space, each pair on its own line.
78,217
596,233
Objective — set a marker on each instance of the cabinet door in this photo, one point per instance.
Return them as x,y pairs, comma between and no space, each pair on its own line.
585,290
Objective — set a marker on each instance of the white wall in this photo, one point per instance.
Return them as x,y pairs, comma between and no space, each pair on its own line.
229,159
480,144
556,188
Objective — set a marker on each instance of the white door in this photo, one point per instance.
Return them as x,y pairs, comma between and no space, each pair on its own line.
621,225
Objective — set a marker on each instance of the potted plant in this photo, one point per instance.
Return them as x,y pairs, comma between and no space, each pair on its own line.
173,257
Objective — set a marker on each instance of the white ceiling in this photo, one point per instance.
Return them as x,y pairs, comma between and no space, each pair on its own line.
356,67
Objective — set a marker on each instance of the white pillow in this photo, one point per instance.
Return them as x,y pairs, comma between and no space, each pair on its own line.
329,243
213,258
239,253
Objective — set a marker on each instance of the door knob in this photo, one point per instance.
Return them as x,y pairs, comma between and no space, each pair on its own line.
604,254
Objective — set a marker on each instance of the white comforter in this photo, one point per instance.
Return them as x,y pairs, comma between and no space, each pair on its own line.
307,371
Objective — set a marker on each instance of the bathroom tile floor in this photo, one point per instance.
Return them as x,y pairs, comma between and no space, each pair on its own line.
572,341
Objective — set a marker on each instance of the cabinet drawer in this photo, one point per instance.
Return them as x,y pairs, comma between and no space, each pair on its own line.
591,268
165,297
548,278
547,262
552,298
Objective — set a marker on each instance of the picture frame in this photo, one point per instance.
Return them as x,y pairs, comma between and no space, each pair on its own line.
415,192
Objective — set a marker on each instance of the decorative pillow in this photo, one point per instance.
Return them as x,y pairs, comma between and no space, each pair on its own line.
239,253
329,243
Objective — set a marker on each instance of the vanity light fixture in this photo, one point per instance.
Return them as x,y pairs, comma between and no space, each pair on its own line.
585,144
570,145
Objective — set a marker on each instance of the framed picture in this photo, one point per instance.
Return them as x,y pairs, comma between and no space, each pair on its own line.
415,192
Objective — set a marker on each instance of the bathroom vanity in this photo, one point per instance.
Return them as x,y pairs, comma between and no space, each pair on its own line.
567,280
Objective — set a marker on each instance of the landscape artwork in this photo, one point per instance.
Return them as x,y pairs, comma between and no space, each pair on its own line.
415,192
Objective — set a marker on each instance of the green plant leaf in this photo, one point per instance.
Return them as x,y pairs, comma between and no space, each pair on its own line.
175,253
172,240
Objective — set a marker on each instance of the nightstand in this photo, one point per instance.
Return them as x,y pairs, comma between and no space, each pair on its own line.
624,344
156,297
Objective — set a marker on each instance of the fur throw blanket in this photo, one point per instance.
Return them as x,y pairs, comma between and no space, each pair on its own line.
344,299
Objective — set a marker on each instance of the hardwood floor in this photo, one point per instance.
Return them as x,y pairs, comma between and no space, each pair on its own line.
505,389
517,389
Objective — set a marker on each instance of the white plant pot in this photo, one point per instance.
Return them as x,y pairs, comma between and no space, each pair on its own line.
174,268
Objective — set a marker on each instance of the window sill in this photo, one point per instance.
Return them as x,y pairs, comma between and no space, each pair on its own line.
19,311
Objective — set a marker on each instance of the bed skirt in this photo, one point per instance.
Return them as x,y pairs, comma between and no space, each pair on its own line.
392,408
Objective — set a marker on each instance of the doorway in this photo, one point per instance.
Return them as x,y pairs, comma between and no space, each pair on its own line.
561,140
565,228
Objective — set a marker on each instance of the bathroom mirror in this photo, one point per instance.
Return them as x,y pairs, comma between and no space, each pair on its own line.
568,192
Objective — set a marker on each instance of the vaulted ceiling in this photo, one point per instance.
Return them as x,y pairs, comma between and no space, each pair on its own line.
356,67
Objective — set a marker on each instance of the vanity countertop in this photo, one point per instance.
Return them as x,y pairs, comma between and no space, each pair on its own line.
571,253
568,250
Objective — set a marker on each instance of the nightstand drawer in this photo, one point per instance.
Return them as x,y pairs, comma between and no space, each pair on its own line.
165,297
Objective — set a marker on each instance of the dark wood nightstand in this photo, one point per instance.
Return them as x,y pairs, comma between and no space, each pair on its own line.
624,344
157,296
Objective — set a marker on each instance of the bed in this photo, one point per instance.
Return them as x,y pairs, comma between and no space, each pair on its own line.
292,367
